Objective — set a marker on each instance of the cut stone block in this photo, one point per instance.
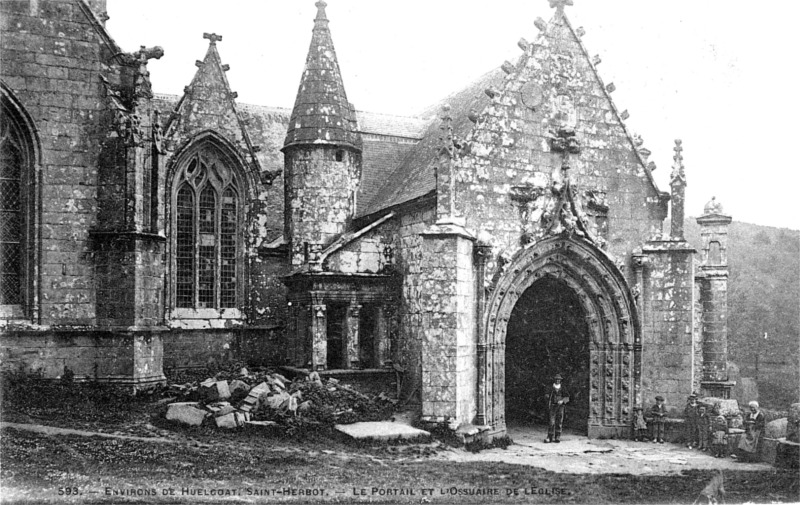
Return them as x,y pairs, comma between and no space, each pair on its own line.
212,390
260,424
188,413
776,428
238,387
769,450
277,401
726,407
225,411
381,430
231,420
793,423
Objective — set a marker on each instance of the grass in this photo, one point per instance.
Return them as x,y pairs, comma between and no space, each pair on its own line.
36,468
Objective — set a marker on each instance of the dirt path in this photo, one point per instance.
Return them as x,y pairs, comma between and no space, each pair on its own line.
52,430
577,454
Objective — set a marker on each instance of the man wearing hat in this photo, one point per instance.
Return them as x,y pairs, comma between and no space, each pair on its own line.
691,414
557,400
657,416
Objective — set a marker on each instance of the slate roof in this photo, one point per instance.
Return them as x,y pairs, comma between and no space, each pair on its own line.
387,140
415,177
322,114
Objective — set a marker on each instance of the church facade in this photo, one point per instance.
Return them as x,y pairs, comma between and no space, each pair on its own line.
509,234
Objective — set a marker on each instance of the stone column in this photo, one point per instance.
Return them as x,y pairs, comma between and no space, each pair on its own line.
319,336
352,344
482,254
381,345
639,264
714,298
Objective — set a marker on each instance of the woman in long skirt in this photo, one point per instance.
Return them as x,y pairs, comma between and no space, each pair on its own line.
754,428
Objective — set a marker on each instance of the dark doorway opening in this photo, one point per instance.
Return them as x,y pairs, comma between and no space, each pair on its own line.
547,334
336,335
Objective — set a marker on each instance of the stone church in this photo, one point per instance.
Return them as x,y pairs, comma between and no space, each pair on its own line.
512,232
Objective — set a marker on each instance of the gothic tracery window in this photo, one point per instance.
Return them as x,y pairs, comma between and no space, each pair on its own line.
206,217
15,160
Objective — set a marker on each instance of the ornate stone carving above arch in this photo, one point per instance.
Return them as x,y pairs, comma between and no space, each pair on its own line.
611,316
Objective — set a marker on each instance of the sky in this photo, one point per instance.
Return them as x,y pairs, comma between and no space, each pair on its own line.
718,74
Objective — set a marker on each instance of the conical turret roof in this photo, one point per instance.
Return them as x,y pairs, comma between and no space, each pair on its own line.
322,114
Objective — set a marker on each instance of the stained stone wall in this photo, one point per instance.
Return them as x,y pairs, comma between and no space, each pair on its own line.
668,343
320,186
449,353
407,350
53,69
554,85
112,356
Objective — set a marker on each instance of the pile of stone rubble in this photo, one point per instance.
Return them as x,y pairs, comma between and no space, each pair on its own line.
269,400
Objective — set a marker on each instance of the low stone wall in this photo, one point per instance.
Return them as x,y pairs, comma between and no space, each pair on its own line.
185,349
125,357
138,358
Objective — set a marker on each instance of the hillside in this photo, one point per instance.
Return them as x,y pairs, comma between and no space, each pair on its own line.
763,297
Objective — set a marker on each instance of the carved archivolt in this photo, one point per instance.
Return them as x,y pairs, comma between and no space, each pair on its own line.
610,313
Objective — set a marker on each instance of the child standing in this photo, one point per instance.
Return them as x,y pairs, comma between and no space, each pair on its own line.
657,414
703,427
690,422
639,425
719,437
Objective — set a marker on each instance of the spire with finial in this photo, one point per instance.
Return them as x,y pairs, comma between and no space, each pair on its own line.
678,186
322,114
560,4
321,19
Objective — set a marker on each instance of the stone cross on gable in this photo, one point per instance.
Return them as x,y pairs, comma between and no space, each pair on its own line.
213,37
560,4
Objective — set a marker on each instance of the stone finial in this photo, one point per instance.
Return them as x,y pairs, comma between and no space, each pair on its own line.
213,38
713,207
678,171
321,16
678,197
560,4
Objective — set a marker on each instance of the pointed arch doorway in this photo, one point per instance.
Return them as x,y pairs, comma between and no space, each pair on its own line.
547,334
561,303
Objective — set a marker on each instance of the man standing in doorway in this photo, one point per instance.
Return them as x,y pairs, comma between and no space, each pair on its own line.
557,400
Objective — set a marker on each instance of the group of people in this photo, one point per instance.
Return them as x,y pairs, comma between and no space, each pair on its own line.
704,430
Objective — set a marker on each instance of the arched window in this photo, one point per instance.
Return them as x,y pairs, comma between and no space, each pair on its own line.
205,222
16,209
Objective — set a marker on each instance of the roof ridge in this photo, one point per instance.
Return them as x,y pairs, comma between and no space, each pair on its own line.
212,57
607,94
